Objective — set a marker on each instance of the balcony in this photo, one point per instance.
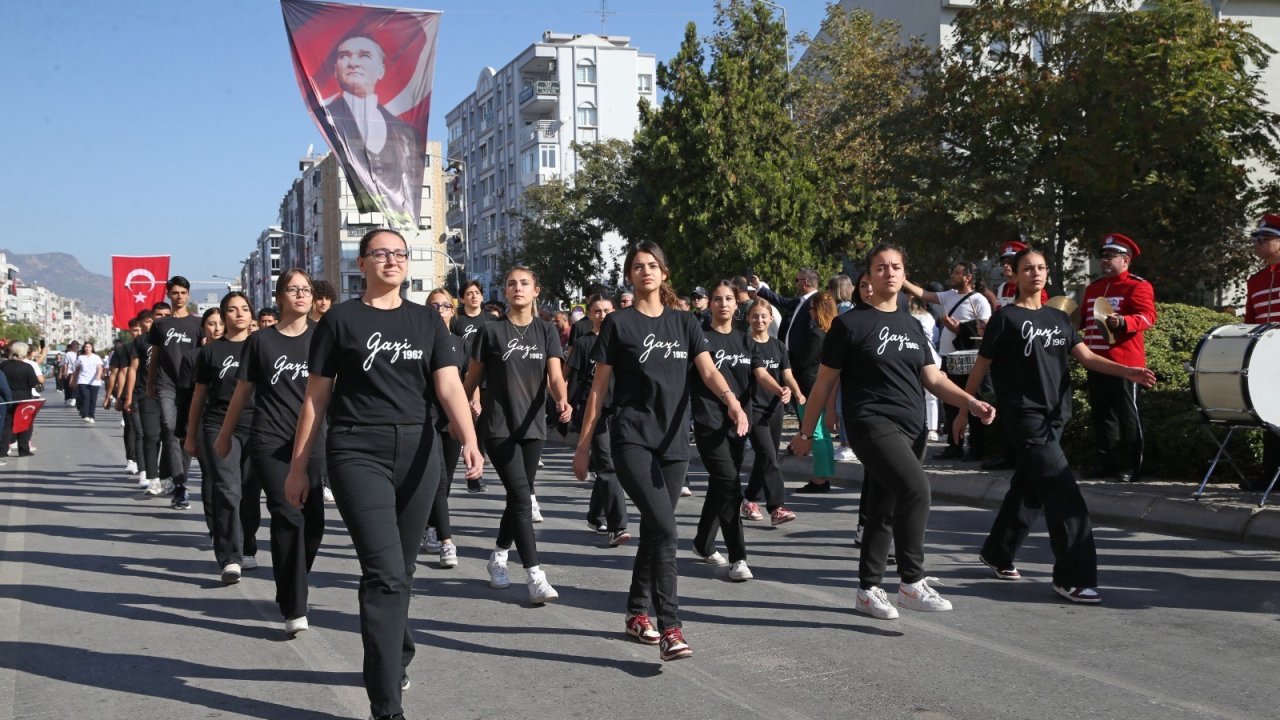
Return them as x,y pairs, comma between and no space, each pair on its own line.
543,131
539,96
538,178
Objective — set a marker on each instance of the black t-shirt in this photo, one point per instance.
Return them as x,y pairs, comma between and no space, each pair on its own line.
172,336
651,358
514,403
467,327
217,366
771,356
734,356
582,364
187,370
119,358
140,348
1030,353
580,329
383,361
453,351
277,365
22,378
880,356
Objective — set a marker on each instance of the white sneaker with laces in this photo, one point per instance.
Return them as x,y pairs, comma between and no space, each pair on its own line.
131,468
535,511
430,542
739,572
715,558
844,454
540,591
919,596
448,555
143,482
248,562
686,491
231,573
154,487
296,625
498,573
875,602
328,494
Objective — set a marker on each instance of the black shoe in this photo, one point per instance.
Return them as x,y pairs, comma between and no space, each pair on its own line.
179,499
951,452
475,486
1125,477
813,488
998,464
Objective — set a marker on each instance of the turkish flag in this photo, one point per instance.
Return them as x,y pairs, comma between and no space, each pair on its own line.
137,283
24,415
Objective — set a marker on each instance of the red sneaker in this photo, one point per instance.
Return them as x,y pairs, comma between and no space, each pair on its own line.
673,646
641,628
781,515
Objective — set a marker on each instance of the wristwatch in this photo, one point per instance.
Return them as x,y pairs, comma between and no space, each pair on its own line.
804,436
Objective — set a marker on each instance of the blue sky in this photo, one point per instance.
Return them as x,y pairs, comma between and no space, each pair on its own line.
152,126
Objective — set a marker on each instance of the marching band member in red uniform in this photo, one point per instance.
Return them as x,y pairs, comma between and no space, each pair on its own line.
1113,401
1262,305
1007,292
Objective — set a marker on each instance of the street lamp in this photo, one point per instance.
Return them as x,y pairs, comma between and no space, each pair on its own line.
786,62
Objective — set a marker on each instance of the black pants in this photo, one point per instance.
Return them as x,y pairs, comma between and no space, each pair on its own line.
721,451
766,435
174,461
1117,424
977,431
608,505
898,506
1044,479
23,438
384,479
229,491
295,532
87,400
452,449
653,484
149,410
130,437
516,462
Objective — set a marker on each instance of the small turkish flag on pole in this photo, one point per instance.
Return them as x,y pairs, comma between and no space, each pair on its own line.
24,415
137,283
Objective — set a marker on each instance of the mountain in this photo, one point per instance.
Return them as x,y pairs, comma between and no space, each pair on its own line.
64,275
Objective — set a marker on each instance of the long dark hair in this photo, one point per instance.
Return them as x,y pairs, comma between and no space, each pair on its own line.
666,294
1017,260
226,300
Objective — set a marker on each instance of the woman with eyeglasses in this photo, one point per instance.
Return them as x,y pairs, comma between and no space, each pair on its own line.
651,348
439,535
377,364
519,359
273,374
226,481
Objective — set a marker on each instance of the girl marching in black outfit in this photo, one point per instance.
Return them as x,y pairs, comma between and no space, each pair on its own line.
233,524
273,373
651,347
607,510
466,323
1027,347
766,418
881,354
377,364
439,535
518,358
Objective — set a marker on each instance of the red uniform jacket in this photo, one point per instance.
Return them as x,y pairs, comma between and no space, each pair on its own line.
1133,299
1262,303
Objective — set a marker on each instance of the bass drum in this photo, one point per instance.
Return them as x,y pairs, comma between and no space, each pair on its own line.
1235,375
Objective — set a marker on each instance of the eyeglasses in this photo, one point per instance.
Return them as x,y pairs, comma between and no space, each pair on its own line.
1110,254
383,255
440,306
297,291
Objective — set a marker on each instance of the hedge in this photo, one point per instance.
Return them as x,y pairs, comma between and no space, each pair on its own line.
1177,447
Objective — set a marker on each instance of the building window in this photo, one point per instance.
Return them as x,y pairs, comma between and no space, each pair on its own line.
426,192
531,162
548,156
416,285
424,222
586,72
587,115
645,83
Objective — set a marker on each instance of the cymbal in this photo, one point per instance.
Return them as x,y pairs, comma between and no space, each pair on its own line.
1063,303
1101,311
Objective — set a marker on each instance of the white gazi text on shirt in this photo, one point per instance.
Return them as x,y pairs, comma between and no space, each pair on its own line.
667,346
735,359
528,351
903,340
398,349
282,366
175,335
1051,337
229,363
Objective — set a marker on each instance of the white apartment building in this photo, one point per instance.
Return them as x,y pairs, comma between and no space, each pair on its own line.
59,319
319,227
516,130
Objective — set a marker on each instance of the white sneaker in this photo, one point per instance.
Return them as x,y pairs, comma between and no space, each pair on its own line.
143,482
166,485
498,573
739,572
154,487
919,596
296,625
875,602
715,558
328,494
131,468
231,573
540,591
430,542
686,491
248,562
448,555
535,510
88,420
73,402
844,454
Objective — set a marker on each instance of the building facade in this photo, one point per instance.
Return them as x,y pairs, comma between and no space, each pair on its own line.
516,131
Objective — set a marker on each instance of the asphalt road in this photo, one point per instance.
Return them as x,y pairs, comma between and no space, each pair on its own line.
110,607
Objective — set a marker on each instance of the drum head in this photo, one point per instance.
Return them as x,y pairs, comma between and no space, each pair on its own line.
1264,377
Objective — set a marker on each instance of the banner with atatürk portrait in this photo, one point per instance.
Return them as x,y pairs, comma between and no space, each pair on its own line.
365,74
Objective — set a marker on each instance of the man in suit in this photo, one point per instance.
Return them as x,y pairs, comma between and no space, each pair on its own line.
796,326
385,153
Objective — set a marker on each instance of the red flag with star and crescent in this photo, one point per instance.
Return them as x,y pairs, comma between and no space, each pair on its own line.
137,283
24,415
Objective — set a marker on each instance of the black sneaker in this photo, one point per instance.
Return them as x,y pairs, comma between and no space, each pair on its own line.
813,488
618,538
475,486
179,501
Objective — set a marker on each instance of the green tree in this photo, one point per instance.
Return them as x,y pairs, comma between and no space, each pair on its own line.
718,176
1068,119
560,241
